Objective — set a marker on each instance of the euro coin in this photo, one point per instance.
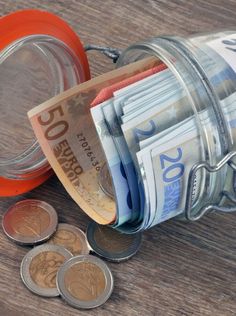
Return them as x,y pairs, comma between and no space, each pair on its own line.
111,244
30,222
40,266
70,237
85,281
105,181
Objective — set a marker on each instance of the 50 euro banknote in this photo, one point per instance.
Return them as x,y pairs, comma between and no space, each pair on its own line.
67,135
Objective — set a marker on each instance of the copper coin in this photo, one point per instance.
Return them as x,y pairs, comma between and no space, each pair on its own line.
105,181
111,244
30,222
85,281
40,266
70,237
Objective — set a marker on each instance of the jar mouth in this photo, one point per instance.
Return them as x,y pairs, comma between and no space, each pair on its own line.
33,69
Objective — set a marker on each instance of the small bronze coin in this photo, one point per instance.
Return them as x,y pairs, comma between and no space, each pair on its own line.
111,244
105,181
30,222
70,237
85,281
40,266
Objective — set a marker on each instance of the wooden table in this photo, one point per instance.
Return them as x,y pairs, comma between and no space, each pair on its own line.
181,269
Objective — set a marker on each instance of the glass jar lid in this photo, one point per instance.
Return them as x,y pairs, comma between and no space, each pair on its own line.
40,56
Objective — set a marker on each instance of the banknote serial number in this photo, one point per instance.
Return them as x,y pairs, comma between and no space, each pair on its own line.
87,149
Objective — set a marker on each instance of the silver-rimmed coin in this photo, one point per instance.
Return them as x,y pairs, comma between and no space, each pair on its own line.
72,238
30,222
111,244
105,181
39,268
85,281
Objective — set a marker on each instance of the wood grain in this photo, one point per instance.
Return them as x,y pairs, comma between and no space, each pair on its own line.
181,269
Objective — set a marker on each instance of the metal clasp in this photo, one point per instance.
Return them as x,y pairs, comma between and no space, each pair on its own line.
110,52
210,207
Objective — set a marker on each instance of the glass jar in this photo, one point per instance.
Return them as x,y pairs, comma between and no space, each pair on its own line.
40,56
204,66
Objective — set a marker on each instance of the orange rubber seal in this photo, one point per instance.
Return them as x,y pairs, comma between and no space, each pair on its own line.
36,22
9,187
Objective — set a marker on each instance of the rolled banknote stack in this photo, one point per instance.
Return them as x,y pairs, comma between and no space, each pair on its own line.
123,144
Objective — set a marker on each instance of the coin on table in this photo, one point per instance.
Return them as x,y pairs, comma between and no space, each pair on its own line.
111,244
105,181
71,238
30,222
85,281
40,266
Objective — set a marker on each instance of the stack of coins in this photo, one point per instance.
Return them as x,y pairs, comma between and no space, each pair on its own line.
62,265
